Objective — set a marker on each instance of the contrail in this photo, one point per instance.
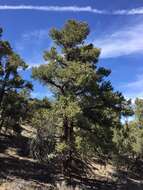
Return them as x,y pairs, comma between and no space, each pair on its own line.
53,8
135,11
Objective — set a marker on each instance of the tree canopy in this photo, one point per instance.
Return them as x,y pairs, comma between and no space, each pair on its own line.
86,105
11,84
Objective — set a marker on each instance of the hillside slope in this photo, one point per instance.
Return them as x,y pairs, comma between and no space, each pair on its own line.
19,171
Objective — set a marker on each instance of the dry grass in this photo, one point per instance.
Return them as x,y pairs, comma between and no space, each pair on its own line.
19,184
63,186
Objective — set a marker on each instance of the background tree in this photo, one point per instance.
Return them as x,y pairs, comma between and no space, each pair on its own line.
11,84
129,138
138,108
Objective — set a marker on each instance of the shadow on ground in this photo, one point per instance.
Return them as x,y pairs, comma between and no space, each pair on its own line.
22,167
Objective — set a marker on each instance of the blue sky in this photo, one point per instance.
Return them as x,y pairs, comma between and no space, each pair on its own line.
116,27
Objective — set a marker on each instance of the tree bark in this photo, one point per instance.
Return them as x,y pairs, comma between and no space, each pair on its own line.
66,129
2,90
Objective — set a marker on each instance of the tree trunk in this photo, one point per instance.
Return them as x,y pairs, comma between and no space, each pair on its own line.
66,129
69,140
2,90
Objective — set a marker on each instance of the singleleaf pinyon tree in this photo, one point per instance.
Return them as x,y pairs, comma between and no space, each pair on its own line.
85,105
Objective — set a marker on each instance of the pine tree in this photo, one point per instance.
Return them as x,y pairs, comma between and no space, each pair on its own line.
85,105
11,82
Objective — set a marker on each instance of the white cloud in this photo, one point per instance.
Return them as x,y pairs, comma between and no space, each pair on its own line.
31,65
137,84
35,42
134,89
133,96
52,8
36,34
135,11
123,42
32,39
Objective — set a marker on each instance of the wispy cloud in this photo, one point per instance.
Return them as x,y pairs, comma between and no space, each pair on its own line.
52,8
36,34
125,41
31,38
31,45
137,84
135,11
134,89
31,65
133,96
